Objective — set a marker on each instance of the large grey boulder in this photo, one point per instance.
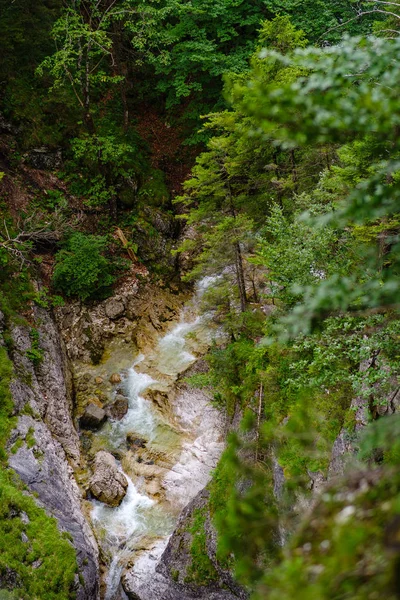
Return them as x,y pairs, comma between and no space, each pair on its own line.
108,484
93,417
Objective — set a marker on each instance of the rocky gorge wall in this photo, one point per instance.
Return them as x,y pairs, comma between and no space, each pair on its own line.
44,445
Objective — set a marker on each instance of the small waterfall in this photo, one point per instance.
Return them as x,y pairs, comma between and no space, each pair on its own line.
121,523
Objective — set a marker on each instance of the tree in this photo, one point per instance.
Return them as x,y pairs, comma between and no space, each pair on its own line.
347,92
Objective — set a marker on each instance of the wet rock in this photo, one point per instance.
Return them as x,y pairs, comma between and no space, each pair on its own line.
93,417
160,399
115,378
114,308
135,442
108,484
118,408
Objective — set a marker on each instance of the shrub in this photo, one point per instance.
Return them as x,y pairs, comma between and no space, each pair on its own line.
81,268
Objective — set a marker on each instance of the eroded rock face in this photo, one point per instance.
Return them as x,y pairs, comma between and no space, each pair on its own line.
164,573
147,309
385,402
49,383
44,158
42,392
108,484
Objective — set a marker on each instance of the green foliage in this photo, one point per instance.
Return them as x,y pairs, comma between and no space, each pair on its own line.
297,254
99,164
201,570
81,268
350,526
154,190
335,110
35,353
380,441
324,212
6,405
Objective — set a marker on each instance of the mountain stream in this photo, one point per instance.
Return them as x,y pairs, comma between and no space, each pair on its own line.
179,438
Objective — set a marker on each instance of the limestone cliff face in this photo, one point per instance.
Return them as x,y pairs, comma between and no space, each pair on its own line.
50,444
176,561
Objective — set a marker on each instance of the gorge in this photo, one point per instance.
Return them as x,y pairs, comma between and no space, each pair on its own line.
199,300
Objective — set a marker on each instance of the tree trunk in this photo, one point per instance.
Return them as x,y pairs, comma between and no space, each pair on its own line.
240,277
87,117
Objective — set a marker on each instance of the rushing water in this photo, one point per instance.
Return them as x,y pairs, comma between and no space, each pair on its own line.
121,530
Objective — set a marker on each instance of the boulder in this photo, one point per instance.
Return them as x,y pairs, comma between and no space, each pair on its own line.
118,408
93,417
115,378
108,484
114,308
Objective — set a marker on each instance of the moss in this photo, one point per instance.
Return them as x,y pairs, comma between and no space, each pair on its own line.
35,353
201,570
28,410
154,190
30,439
221,489
175,574
54,578
18,444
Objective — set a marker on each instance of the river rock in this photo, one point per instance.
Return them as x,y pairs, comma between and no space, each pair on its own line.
114,308
135,442
108,484
115,378
118,408
93,417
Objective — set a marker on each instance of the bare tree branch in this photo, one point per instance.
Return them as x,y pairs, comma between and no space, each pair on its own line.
36,229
